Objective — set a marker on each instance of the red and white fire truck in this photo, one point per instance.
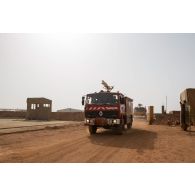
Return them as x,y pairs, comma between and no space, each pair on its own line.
110,110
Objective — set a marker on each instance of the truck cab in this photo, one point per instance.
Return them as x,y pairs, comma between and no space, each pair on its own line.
110,110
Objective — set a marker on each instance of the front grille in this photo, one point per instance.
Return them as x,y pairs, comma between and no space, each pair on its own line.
106,114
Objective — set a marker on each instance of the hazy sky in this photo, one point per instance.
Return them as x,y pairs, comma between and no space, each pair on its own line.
63,67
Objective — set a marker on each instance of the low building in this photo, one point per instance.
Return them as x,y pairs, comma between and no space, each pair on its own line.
69,110
175,112
38,109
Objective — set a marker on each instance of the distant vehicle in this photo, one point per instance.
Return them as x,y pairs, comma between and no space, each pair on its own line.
140,111
187,102
110,110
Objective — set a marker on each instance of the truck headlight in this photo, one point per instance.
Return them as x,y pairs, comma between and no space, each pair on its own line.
114,121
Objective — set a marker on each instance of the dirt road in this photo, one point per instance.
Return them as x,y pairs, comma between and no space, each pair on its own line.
143,143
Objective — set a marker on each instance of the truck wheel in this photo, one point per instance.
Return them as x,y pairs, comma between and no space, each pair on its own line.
129,125
184,127
120,129
92,130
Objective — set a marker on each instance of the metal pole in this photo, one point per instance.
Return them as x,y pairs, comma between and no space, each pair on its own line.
166,104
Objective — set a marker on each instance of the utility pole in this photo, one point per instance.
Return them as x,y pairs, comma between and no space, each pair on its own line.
166,104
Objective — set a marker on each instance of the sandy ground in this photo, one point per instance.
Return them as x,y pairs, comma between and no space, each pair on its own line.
14,123
20,125
72,143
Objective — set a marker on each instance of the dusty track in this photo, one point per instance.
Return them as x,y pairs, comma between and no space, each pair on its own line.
73,144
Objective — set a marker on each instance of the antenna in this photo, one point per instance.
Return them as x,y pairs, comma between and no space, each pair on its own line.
107,87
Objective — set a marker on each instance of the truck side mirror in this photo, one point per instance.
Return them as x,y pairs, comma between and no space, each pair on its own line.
122,100
83,100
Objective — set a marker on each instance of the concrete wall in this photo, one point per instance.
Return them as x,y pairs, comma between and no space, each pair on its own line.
64,116
167,119
68,116
12,114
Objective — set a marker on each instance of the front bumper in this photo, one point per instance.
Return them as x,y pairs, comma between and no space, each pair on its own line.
102,122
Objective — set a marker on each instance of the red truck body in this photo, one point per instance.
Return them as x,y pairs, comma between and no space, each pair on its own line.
108,110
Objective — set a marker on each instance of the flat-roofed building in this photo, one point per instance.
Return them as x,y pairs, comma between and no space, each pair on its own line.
39,109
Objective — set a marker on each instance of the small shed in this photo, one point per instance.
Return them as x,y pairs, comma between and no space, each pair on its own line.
39,109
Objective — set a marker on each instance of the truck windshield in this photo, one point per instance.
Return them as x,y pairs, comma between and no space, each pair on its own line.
102,98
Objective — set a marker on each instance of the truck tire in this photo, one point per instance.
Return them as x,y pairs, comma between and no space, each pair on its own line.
120,129
129,125
92,130
184,127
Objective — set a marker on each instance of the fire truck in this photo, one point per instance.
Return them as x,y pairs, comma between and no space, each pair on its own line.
110,110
